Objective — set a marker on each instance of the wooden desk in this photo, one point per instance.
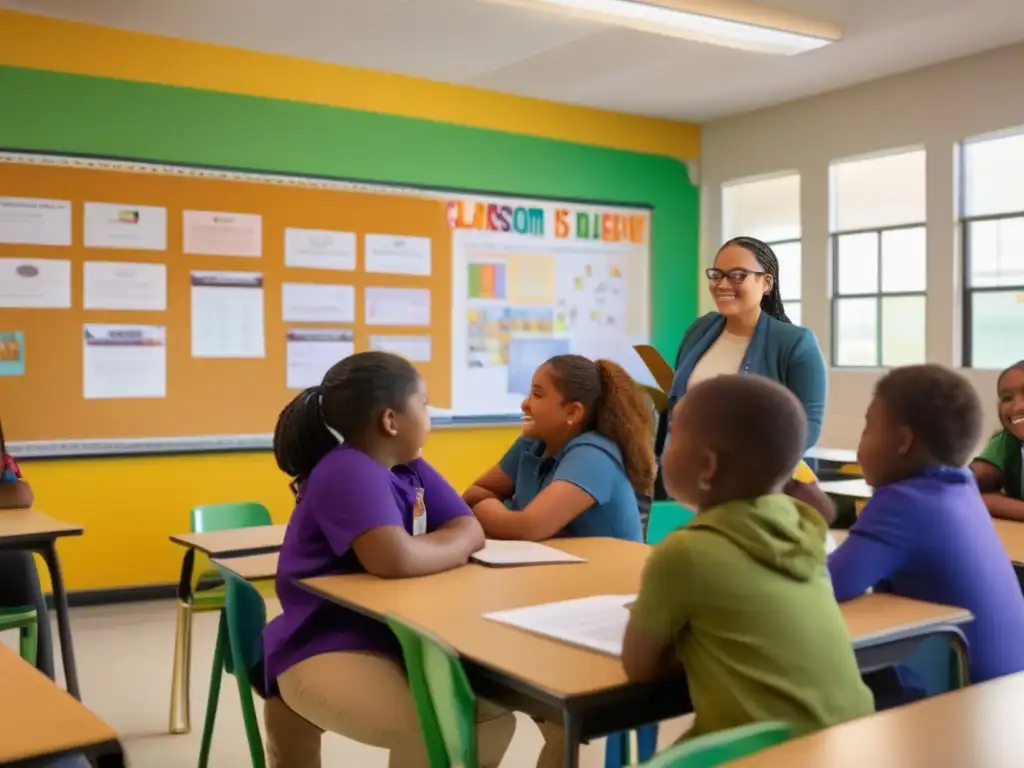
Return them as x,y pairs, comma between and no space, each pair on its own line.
855,489
33,531
1011,533
977,727
251,568
38,720
235,542
832,455
587,691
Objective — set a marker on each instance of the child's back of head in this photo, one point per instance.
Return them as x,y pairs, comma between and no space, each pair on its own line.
921,415
733,437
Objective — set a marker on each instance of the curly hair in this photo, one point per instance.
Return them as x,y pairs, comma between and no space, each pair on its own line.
615,406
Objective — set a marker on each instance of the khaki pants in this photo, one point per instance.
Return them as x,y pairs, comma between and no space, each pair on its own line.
366,697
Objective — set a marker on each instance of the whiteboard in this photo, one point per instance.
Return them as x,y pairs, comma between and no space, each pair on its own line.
536,278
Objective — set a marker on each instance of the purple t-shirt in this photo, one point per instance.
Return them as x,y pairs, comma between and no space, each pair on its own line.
346,495
930,538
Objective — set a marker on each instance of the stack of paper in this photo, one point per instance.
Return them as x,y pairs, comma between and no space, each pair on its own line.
522,553
597,623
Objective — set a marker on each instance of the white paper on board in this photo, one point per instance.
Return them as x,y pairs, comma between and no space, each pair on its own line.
118,225
35,283
318,303
319,249
213,233
415,349
397,306
397,254
227,314
124,361
35,221
123,285
311,352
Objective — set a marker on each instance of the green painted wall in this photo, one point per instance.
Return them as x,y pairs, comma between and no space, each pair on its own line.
52,112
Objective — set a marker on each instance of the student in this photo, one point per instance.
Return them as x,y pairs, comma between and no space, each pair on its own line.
367,504
925,534
19,579
998,468
740,598
585,453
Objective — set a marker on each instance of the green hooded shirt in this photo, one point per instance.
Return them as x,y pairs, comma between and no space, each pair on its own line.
743,594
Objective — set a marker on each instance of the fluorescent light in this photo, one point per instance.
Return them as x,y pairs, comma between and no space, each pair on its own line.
696,25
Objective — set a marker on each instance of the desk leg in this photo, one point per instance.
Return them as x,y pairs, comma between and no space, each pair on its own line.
60,600
572,741
180,719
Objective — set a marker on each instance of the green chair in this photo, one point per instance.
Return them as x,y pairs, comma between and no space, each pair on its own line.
192,598
666,516
723,747
238,652
22,618
444,699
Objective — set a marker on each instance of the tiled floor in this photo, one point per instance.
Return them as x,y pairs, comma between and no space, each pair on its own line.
124,664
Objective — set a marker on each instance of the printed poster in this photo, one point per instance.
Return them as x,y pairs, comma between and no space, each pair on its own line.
121,225
35,221
12,353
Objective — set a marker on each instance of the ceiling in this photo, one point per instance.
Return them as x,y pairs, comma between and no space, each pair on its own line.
529,53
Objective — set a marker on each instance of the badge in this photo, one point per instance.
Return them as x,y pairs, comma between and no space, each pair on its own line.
419,514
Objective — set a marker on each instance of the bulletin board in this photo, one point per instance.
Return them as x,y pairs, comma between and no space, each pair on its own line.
204,396
494,286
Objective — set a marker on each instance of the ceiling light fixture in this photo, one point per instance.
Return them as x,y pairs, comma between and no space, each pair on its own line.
730,23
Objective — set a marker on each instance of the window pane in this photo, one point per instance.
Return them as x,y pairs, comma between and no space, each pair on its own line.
903,330
768,209
857,332
993,169
794,313
997,329
878,191
858,263
996,253
790,273
904,260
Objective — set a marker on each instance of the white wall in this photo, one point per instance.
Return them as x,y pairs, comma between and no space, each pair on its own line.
935,108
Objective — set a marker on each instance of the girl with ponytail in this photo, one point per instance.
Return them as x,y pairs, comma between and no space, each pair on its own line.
584,457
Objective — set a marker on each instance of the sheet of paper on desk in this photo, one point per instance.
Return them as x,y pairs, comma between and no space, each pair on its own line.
597,623
522,553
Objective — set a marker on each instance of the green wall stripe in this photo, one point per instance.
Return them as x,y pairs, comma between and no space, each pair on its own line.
55,112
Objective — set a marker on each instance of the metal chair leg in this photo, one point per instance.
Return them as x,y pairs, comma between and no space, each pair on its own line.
181,674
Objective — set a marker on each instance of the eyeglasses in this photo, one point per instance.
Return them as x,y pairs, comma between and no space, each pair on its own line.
735,276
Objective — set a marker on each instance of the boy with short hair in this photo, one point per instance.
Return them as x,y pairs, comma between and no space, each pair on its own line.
926,534
741,597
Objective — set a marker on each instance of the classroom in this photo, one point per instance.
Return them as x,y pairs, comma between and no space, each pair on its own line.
202,210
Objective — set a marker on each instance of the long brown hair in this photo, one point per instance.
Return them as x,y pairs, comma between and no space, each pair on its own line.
615,406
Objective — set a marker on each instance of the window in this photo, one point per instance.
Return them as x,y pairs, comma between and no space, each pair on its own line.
879,261
769,209
993,247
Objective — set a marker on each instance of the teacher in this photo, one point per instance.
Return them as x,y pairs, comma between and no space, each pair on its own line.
750,333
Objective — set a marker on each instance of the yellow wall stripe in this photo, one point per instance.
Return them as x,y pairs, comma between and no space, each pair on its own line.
37,42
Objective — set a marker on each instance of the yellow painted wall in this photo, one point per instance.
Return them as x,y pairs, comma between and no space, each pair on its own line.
129,506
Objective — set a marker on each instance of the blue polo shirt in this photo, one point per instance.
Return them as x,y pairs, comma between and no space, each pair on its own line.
930,538
589,461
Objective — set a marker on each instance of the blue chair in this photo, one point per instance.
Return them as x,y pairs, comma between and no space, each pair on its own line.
665,517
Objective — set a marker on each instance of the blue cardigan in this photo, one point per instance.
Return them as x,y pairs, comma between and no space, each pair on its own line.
783,352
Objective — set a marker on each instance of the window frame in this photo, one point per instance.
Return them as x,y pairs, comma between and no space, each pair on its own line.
877,295
967,292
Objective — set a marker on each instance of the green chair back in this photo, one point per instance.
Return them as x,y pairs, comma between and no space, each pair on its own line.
444,699
239,652
666,516
723,747
235,514
24,619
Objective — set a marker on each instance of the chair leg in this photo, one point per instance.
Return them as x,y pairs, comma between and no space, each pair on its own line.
646,742
216,674
615,755
29,636
252,725
181,674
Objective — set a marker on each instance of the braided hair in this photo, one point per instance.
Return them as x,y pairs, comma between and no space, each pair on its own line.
769,262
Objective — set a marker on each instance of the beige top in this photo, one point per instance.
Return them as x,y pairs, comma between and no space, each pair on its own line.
723,357
38,719
450,605
977,726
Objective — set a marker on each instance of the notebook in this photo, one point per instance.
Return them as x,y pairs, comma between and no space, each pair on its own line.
509,553
598,622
